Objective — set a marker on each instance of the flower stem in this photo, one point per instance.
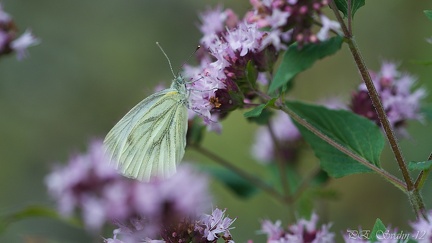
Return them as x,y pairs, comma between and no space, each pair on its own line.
251,178
417,204
346,31
381,113
376,101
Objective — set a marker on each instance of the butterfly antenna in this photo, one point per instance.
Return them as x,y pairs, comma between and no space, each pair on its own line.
193,53
169,62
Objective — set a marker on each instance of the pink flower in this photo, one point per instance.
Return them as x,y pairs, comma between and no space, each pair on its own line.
82,184
8,41
212,85
89,185
273,231
424,227
401,102
4,17
303,231
216,225
21,44
243,39
213,23
327,25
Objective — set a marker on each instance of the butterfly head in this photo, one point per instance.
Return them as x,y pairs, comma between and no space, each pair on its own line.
179,83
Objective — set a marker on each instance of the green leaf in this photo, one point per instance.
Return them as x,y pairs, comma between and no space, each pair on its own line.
354,132
377,231
257,110
34,211
296,60
416,166
342,5
428,14
234,182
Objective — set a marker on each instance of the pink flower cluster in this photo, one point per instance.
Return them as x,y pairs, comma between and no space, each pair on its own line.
290,21
203,229
8,37
401,102
230,44
170,209
221,82
303,231
307,231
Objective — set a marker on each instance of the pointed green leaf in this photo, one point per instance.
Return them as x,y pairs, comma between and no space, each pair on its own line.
342,5
416,166
354,132
257,110
377,231
263,118
428,14
296,60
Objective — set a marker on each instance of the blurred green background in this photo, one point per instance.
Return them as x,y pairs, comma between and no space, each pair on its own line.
98,59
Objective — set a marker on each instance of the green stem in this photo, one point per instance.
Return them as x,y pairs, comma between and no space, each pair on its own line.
345,30
376,101
253,179
417,204
381,113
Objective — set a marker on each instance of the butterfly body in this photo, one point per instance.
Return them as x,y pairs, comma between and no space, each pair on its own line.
150,140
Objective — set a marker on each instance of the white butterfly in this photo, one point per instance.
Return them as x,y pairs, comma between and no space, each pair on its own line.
150,139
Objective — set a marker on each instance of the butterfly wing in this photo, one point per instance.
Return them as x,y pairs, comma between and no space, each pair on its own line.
150,139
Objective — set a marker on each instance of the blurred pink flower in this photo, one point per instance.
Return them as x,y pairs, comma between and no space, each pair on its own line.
303,231
401,102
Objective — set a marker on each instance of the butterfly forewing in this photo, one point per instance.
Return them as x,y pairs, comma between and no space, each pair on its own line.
150,139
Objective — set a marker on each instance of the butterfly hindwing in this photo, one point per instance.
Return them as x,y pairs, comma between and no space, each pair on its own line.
150,139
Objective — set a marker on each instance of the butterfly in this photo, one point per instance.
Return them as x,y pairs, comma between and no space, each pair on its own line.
150,140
